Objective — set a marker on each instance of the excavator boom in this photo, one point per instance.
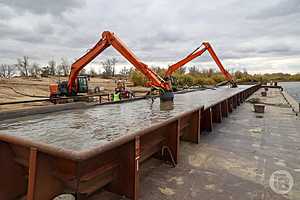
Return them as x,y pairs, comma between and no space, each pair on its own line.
196,53
110,39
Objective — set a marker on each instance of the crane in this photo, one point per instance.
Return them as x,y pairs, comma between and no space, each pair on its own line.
205,46
75,83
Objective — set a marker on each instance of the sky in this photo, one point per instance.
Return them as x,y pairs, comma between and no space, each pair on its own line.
259,36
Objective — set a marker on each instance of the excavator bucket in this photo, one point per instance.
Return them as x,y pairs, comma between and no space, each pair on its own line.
167,96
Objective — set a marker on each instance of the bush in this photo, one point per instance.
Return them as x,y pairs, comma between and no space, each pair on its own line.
218,78
137,78
204,81
184,80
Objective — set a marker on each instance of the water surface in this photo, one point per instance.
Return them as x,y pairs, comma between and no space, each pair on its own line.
293,88
83,129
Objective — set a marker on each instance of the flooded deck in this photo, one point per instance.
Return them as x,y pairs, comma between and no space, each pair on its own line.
84,129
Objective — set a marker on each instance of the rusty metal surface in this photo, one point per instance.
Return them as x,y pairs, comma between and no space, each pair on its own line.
114,164
78,132
235,161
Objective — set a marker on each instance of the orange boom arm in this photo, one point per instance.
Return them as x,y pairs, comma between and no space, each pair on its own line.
196,53
110,39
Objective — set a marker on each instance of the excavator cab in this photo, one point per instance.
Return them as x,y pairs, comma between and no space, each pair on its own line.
82,84
61,88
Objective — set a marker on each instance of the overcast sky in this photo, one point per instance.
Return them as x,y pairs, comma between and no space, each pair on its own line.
258,35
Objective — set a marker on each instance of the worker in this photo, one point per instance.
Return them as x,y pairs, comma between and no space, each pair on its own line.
117,95
121,85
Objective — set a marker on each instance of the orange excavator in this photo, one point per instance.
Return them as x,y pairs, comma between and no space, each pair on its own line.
205,46
77,84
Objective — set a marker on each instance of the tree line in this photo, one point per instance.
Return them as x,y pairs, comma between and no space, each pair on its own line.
25,68
186,76
194,75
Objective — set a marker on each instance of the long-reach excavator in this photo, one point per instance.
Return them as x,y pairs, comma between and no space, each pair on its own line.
196,53
77,84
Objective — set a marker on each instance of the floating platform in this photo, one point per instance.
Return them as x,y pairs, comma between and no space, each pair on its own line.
83,150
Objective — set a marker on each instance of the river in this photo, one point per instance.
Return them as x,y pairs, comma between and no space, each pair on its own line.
293,88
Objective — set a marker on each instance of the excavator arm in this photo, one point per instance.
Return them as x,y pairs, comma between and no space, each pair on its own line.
196,53
110,39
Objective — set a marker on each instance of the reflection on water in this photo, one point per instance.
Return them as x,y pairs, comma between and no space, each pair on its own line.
87,128
166,105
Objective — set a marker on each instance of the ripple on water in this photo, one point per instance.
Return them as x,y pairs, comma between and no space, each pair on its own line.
83,129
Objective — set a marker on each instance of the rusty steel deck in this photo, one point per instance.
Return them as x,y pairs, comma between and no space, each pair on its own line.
81,151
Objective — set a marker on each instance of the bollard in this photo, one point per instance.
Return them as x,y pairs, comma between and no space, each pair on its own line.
259,108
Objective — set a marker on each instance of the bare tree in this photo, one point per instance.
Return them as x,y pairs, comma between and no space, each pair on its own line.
113,62
194,70
52,67
7,71
109,67
23,66
93,72
125,72
64,67
35,70
181,70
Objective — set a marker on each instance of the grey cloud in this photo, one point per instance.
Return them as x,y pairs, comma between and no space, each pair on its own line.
45,28
6,12
156,31
282,9
42,6
17,33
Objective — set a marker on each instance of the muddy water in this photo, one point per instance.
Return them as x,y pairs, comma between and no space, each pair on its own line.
85,129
